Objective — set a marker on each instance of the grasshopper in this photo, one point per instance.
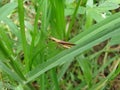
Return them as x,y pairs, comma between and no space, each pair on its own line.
61,42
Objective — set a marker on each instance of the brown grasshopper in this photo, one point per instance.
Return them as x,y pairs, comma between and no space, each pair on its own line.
61,42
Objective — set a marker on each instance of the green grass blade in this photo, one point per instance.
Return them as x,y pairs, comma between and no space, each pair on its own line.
73,19
22,29
58,19
54,79
13,63
13,27
6,9
10,72
86,69
34,35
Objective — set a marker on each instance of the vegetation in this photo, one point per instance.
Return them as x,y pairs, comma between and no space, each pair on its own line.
59,45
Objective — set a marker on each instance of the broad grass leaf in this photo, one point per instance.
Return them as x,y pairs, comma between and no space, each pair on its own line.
4,12
7,9
89,3
107,5
115,39
96,15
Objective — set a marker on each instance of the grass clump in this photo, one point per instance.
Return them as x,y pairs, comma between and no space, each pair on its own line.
59,45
